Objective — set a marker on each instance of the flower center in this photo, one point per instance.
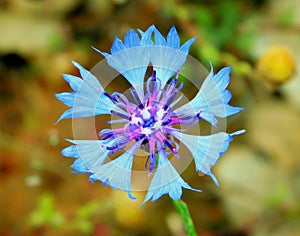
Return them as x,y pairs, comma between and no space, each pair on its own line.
150,120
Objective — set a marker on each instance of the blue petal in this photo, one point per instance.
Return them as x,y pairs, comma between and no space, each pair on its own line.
222,78
66,98
80,110
131,39
212,98
105,54
79,167
167,57
173,40
186,46
132,63
159,39
90,154
70,151
132,58
88,98
206,150
67,114
89,79
117,46
146,38
167,61
166,180
74,81
117,173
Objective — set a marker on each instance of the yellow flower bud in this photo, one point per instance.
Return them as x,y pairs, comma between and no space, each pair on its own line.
276,64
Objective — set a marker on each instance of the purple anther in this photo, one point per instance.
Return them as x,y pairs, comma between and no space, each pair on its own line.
180,86
174,82
152,159
111,97
112,147
177,74
198,114
107,136
137,99
171,98
140,137
120,114
166,142
174,121
153,76
167,122
153,87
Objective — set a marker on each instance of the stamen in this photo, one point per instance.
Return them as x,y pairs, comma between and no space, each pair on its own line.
172,85
110,148
153,76
188,120
149,123
120,114
153,87
140,137
125,107
152,162
198,114
180,86
166,142
107,136
176,145
137,99
111,97
176,101
151,157
104,131
171,98
117,121
130,106
177,74
167,122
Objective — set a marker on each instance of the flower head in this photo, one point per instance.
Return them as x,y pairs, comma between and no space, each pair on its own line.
150,119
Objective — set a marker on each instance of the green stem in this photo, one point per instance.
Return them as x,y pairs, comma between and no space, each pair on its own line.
184,213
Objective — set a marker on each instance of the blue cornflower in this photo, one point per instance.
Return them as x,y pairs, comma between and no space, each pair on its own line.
151,119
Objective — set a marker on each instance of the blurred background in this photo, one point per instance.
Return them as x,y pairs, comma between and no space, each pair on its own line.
259,176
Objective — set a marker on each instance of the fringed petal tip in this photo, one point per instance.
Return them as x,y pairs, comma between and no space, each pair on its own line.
117,173
88,97
94,178
131,196
70,151
231,110
207,150
66,98
67,114
230,138
173,39
213,98
132,57
160,185
186,46
242,131
105,54
80,167
74,81
174,194
214,178
78,66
